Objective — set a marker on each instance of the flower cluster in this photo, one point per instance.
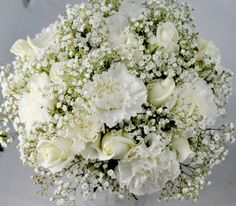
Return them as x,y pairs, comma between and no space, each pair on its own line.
120,96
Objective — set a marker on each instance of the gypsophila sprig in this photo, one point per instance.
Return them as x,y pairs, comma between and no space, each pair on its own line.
118,96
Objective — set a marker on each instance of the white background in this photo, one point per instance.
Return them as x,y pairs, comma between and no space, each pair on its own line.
215,19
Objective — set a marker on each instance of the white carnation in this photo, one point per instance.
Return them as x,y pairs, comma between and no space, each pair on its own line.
118,27
146,169
39,83
131,9
198,96
45,38
116,95
127,10
116,24
85,130
35,105
123,40
210,49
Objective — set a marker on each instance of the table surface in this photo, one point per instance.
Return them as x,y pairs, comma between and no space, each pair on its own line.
215,19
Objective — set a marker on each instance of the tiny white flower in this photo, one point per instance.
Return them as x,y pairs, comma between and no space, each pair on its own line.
57,72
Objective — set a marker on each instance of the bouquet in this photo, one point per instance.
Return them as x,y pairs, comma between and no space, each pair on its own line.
119,96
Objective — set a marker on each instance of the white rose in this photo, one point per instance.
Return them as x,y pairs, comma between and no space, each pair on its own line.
182,148
109,147
23,48
146,169
30,46
115,146
159,91
116,95
167,37
55,155
210,49
197,96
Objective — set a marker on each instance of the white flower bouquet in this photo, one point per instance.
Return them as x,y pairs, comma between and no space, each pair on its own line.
119,96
